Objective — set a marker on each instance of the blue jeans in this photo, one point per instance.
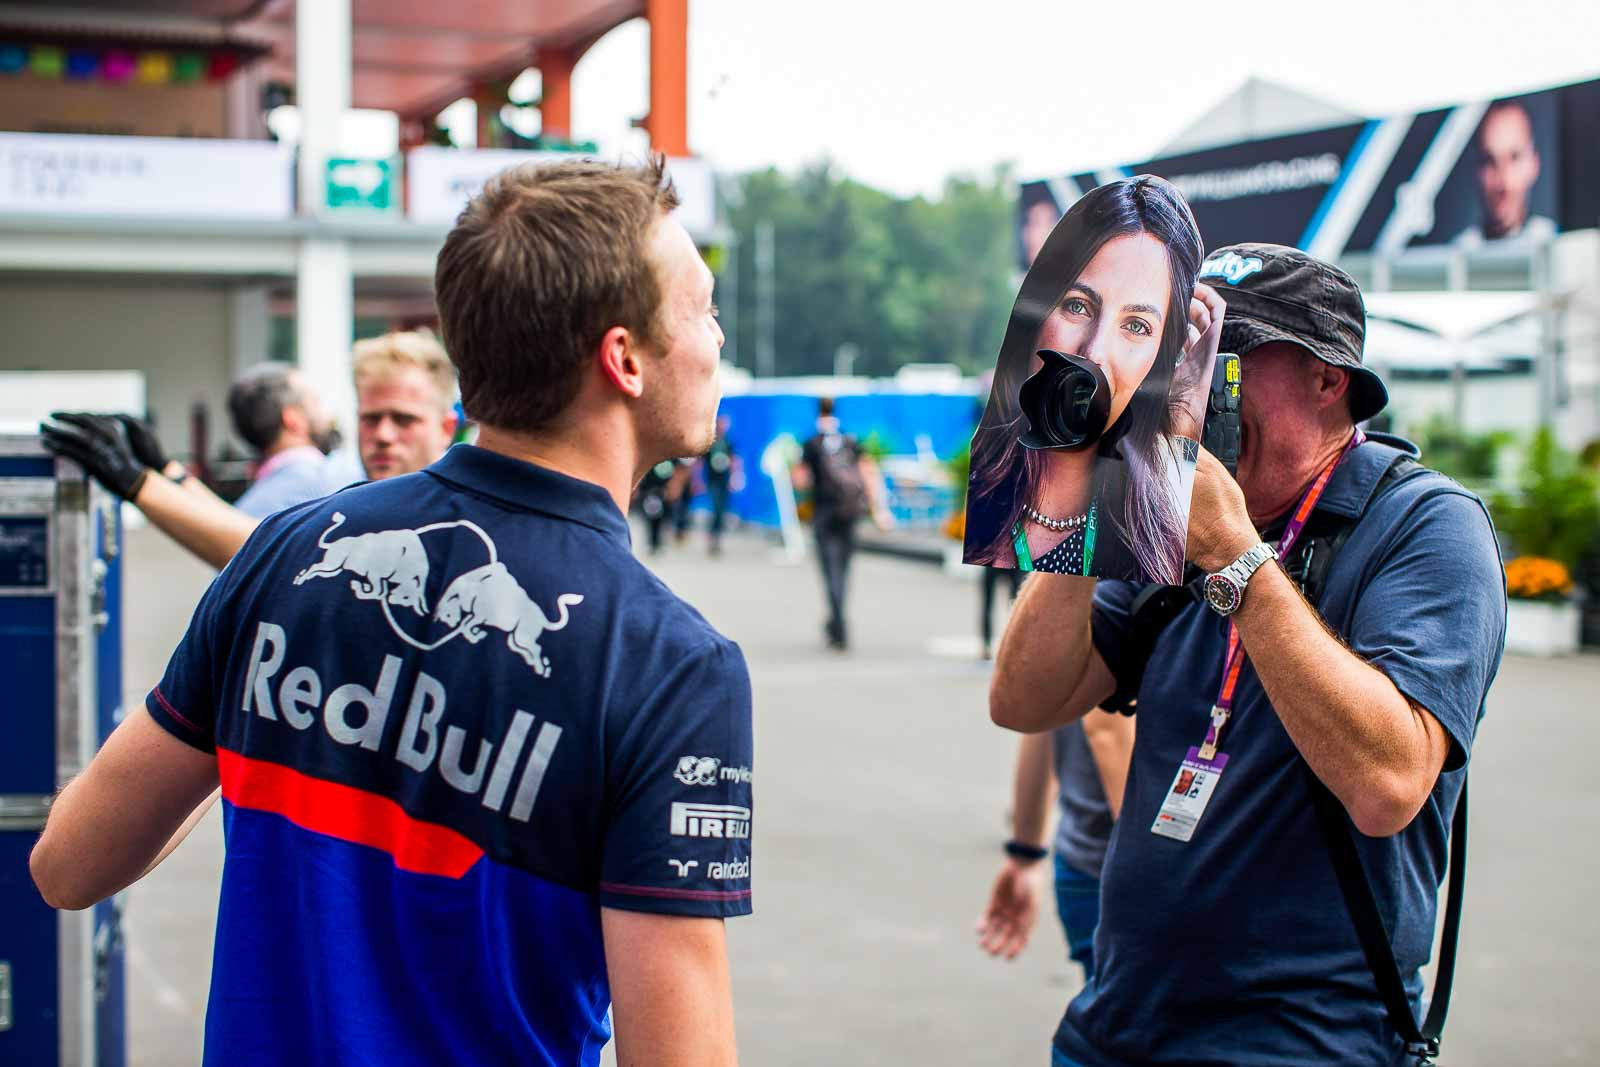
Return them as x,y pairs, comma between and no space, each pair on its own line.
1078,904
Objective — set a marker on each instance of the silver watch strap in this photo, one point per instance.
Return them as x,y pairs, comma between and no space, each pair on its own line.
1247,564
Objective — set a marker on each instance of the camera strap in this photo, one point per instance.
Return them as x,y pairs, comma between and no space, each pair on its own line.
1233,659
1422,1042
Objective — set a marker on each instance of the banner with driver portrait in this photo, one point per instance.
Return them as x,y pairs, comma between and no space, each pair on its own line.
1486,174
1084,459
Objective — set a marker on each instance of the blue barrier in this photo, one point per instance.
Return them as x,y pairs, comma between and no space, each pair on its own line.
898,418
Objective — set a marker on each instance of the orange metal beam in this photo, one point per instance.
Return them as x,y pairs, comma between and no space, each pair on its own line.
668,122
555,107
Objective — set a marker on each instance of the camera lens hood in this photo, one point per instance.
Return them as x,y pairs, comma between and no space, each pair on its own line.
1067,402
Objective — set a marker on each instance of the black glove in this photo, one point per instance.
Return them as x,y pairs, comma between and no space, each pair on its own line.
142,439
99,444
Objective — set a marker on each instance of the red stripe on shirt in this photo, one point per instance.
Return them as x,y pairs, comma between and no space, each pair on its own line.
346,813
674,894
174,712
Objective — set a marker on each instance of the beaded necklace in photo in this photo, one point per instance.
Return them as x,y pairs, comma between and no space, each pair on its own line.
1073,555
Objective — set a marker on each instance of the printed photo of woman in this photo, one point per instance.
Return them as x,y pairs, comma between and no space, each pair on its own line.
1113,330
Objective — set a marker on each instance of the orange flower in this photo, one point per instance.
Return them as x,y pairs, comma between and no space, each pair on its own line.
955,527
1537,578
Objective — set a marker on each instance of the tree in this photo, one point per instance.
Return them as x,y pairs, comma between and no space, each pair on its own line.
905,280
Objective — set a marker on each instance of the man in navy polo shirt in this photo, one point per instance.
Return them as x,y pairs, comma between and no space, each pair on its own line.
484,776
1224,937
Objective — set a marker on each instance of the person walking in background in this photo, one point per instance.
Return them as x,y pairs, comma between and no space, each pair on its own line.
680,491
719,467
845,486
1086,765
651,501
993,576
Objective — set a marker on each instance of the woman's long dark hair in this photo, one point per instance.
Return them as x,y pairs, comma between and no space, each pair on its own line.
1005,475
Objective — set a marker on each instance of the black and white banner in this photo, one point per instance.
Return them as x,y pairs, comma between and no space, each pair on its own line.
1489,173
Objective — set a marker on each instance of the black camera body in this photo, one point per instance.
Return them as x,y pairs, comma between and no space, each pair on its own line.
1221,434
1068,400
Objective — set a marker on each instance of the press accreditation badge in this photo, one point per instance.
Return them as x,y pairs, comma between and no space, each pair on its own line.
1190,793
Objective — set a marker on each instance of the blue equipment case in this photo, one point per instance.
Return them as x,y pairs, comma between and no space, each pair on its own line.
62,992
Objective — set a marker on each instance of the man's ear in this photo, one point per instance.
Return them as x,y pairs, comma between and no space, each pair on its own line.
1331,383
621,361
294,421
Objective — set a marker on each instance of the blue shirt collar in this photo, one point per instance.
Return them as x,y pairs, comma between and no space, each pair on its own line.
1353,483
528,487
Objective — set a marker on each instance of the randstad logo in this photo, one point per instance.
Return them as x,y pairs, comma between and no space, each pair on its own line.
1230,267
391,567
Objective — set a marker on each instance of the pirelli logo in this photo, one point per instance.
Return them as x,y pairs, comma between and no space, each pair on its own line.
710,820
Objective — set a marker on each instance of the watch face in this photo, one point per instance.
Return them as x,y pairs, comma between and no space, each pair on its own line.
1222,594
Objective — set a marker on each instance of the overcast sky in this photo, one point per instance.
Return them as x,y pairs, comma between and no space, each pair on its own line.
901,94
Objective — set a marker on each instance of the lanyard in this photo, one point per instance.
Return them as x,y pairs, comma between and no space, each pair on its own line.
1233,660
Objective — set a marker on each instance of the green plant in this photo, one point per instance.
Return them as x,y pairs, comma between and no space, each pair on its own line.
1555,510
1469,458
877,444
960,468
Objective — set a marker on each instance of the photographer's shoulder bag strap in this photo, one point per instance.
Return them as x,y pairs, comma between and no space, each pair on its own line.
1421,1042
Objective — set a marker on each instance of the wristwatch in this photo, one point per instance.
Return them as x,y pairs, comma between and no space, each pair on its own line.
1225,589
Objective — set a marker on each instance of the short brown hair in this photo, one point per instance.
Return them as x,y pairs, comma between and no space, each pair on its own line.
377,358
538,267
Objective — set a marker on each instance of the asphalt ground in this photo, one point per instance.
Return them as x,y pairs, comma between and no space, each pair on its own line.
881,792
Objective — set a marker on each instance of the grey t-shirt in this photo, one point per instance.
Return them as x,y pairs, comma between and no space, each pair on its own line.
1085,825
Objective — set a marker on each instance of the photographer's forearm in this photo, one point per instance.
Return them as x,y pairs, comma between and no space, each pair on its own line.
1047,672
1377,752
199,521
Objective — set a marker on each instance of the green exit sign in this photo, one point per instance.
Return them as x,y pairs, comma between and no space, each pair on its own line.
366,185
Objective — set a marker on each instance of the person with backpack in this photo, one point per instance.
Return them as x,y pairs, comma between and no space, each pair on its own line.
1297,785
846,486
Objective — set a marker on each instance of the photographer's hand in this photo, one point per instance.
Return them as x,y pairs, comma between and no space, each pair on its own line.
1191,382
1220,530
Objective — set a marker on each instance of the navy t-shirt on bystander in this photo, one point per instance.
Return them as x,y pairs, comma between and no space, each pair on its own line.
454,718
1236,948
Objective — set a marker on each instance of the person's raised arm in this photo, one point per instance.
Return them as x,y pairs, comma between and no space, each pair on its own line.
671,996
1047,672
121,454
197,519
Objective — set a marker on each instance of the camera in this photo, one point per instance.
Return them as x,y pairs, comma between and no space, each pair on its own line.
1068,400
1221,434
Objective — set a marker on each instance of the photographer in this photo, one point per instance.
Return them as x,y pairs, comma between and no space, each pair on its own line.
1224,936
